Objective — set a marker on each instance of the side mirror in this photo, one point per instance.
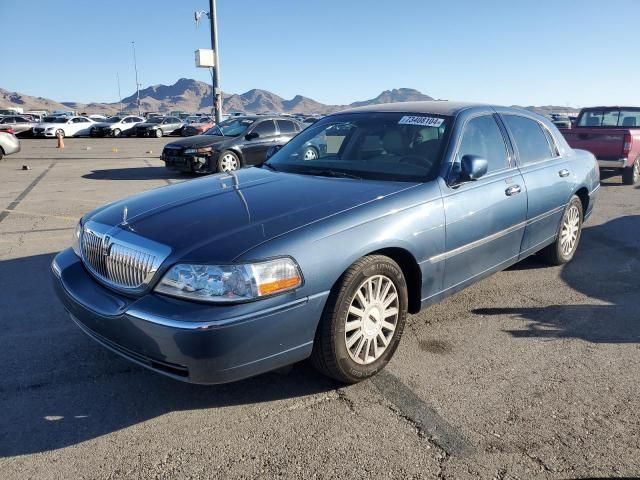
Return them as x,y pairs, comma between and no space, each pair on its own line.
251,136
472,167
272,150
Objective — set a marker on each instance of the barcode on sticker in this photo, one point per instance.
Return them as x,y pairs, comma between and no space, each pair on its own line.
424,121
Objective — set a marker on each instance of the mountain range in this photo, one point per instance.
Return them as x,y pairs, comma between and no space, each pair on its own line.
193,96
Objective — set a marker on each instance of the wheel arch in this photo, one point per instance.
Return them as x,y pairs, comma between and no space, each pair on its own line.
410,270
583,194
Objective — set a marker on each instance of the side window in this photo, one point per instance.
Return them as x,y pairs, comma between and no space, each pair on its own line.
482,137
286,126
531,141
265,129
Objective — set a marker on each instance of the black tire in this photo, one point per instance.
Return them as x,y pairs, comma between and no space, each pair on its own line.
159,133
117,132
330,355
630,175
228,161
555,254
1,153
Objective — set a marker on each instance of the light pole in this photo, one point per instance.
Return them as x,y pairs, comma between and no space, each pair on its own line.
135,66
217,93
119,94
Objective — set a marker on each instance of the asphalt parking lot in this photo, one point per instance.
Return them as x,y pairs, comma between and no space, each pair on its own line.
532,373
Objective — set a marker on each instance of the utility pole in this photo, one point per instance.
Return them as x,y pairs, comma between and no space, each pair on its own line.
119,94
217,93
135,66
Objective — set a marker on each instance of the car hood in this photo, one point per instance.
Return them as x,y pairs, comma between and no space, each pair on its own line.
106,124
198,141
145,124
219,217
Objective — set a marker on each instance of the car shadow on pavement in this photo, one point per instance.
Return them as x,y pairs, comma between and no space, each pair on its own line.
605,269
136,173
60,388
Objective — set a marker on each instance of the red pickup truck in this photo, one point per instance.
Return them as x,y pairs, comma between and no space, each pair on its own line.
612,134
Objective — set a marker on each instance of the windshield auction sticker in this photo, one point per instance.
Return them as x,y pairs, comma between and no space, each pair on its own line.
424,121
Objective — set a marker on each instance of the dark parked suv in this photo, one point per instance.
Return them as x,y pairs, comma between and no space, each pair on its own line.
159,127
235,143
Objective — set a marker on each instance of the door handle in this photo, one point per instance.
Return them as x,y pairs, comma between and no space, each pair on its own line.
564,172
514,190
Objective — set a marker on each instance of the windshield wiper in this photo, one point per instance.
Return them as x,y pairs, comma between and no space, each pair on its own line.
333,173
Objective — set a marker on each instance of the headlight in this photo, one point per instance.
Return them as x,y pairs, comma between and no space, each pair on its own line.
77,233
231,283
198,150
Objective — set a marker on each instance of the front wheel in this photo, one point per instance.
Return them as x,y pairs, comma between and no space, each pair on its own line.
117,132
363,320
564,248
630,175
310,153
159,133
60,133
228,162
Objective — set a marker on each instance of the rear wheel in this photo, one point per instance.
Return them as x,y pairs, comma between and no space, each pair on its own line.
1,153
310,153
630,175
363,320
159,133
564,248
60,133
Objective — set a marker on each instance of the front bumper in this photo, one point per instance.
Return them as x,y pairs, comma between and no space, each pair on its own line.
48,134
189,163
620,163
100,132
189,341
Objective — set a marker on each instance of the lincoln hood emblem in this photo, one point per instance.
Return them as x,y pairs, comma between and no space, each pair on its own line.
106,245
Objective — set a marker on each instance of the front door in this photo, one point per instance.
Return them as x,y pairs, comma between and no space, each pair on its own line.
255,149
485,218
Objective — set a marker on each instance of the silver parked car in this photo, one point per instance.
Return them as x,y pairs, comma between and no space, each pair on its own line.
9,144
19,125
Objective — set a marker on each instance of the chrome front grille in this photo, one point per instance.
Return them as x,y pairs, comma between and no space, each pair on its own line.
113,255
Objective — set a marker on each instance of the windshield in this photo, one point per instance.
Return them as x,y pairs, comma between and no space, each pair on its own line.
380,146
613,117
60,120
231,128
113,120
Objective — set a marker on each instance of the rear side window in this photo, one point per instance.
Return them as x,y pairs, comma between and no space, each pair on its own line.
530,139
482,137
286,126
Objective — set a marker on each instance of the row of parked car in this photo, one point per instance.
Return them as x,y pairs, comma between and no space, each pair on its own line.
150,125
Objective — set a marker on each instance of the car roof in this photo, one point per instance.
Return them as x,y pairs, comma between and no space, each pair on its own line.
262,117
438,107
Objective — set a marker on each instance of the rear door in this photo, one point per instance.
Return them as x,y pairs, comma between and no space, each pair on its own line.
547,175
485,219
286,131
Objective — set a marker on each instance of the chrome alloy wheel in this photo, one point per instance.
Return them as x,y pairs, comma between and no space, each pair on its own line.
371,319
570,230
636,170
228,163
310,154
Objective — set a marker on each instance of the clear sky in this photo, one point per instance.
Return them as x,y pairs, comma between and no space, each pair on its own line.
523,52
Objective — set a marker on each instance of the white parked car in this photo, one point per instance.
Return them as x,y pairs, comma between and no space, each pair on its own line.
116,126
66,126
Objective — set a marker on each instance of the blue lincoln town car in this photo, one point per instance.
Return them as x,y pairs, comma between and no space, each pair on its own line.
323,255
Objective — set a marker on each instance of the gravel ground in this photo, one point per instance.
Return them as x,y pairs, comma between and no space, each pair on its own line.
532,373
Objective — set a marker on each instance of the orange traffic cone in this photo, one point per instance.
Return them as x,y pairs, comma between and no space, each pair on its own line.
60,140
